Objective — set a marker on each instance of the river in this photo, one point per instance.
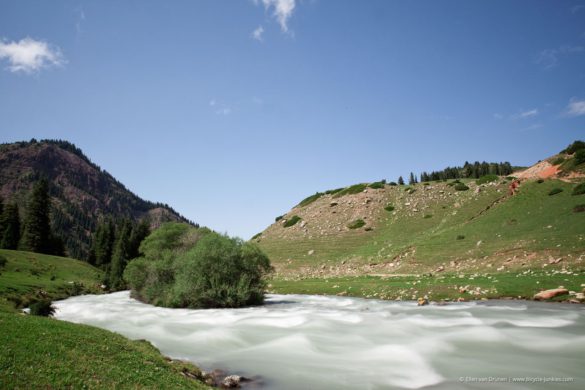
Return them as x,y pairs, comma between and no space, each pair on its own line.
326,342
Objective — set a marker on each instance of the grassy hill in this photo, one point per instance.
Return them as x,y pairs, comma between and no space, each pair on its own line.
373,233
42,352
26,277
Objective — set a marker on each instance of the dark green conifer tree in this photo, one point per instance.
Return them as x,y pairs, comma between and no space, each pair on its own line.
37,229
10,227
119,257
400,181
139,233
102,244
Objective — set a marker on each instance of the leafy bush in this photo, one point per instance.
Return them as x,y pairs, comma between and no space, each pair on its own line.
358,223
278,218
3,261
427,216
460,237
460,187
335,191
42,308
580,156
579,189
574,147
540,181
292,221
486,179
579,208
310,199
389,207
354,189
392,183
555,191
377,185
256,236
207,270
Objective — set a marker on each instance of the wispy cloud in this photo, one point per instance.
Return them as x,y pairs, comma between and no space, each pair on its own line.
525,114
224,111
549,58
534,126
80,20
282,10
498,116
257,33
577,8
29,55
219,108
576,108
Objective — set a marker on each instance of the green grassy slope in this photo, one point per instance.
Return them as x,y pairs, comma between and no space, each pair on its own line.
41,352
28,277
434,226
37,352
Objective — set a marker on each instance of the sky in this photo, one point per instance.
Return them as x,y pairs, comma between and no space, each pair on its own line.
233,111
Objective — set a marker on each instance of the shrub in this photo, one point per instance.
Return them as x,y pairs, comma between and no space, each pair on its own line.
358,223
3,261
412,190
332,192
256,236
460,237
540,181
392,183
460,187
42,308
212,271
579,189
486,179
292,221
389,207
558,161
278,218
555,191
579,208
574,147
580,156
377,185
310,199
427,216
354,189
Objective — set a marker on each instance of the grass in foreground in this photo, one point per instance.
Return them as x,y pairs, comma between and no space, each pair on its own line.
437,287
42,352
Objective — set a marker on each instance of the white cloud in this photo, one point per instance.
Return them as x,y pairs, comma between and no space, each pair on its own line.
282,10
498,116
576,108
29,55
257,33
224,111
212,102
525,114
549,58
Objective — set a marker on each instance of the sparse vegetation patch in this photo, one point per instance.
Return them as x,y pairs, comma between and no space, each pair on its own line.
358,223
555,191
579,189
486,179
354,189
292,221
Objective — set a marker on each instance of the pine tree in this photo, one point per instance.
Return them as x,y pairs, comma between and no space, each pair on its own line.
139,233
400,181
412,179
119,257
37,230
102,244
10,223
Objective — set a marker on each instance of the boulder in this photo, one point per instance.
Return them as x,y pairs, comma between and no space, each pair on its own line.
548,294
231,382
423,301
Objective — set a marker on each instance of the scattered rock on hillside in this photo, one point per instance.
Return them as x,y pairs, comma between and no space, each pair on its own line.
231,382
548,294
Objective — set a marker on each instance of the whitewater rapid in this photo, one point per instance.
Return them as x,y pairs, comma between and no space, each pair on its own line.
324,342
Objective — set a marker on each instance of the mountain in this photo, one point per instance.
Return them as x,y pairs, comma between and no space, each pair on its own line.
464,225
81,192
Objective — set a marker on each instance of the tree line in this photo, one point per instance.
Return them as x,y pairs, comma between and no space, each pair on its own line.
467,171
114,244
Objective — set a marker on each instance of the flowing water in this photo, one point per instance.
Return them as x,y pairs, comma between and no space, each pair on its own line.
324,342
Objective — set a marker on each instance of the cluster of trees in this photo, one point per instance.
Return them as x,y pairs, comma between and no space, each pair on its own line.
184,266
467,171
114,244
34,234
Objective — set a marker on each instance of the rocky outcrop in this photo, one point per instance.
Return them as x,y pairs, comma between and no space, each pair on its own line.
548,294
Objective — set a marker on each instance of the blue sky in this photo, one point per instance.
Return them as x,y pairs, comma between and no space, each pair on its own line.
233,111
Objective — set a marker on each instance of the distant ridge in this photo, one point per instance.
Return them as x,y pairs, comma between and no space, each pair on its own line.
81,191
